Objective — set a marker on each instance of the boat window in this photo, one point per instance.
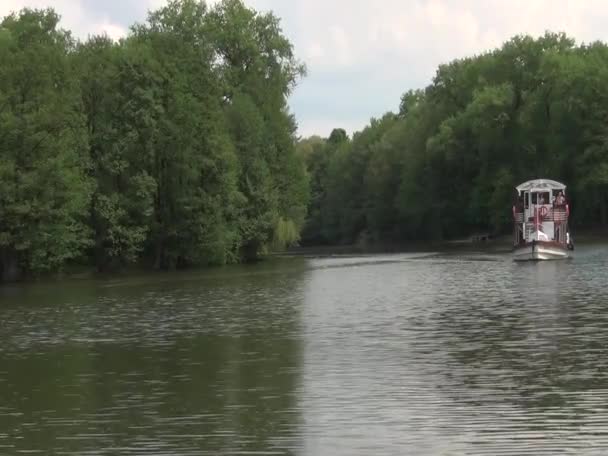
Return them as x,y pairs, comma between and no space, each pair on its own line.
545,197
526,200
534,195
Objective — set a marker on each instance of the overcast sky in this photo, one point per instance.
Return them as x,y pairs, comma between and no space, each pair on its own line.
362,55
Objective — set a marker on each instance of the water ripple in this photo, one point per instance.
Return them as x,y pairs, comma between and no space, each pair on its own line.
427,354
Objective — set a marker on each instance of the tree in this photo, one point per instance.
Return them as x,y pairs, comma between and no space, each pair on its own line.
177,117
121,206
447,163
258,70
174,145
44,188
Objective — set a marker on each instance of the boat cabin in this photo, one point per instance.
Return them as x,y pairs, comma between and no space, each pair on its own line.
541,212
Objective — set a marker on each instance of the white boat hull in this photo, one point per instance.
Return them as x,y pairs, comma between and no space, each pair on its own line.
539,251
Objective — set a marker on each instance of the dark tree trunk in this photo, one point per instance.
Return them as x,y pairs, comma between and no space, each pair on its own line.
99,254
9,266
100,258
603,212
249,252
159,255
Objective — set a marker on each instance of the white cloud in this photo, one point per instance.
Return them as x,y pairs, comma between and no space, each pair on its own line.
363,54
112,30
372,52
74,16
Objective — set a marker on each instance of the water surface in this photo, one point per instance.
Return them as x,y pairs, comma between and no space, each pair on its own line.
461,353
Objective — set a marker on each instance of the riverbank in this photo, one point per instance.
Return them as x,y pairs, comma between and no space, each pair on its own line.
487,243
500,244
495,244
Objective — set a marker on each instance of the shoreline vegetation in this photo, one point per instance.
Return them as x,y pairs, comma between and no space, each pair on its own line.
495,246
175,148
171,148
500,245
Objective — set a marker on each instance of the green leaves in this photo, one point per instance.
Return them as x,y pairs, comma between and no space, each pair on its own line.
447,167
43,156
173,147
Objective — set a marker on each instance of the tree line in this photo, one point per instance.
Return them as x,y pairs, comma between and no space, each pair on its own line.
175,146
446,164
171,147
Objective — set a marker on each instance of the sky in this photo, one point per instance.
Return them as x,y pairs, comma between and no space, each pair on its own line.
362,55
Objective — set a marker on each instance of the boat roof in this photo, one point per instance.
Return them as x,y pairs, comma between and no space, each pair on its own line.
540,185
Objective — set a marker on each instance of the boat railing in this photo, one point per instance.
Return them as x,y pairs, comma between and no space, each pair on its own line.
547,213
559,213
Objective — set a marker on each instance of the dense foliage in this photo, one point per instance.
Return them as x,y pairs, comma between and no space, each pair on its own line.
446,164
174,146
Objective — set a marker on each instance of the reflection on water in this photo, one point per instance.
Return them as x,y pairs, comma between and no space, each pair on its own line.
191,366
436,354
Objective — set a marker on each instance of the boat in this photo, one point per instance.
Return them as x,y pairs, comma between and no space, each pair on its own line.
540,219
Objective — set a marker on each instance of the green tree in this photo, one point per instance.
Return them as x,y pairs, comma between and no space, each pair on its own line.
177,118
258,70
44,189
447,163
121,206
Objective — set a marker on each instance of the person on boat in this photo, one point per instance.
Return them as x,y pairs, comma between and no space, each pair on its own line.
569,242
540,235
560,200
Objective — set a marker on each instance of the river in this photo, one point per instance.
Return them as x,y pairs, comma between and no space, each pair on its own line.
437,353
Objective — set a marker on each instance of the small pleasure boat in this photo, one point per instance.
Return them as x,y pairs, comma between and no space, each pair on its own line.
540,219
